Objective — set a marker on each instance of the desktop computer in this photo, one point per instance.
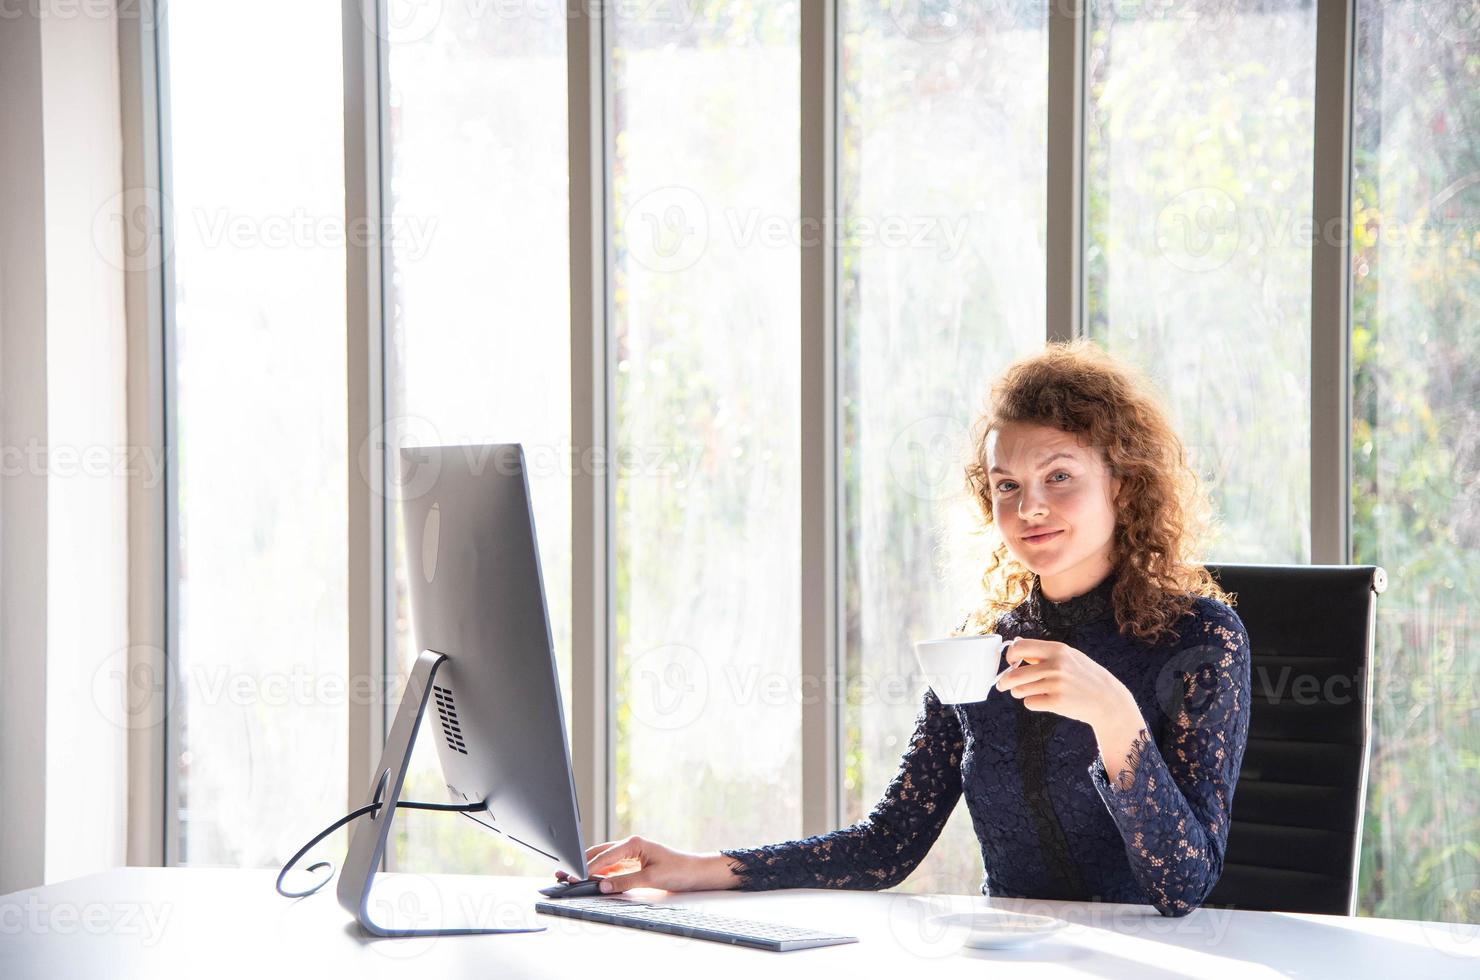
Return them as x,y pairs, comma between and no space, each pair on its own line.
485,682
485,676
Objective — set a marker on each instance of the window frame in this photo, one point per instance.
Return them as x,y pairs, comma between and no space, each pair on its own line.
153,526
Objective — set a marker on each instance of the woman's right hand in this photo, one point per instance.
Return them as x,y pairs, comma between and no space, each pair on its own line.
640,863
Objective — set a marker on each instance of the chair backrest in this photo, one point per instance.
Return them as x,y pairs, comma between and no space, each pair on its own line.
1296,830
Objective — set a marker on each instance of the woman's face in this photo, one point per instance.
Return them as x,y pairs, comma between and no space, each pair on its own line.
1053,498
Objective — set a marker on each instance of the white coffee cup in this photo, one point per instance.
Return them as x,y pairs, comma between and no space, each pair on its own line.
962,669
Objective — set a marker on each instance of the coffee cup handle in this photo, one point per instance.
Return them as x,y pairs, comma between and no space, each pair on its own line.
1000,652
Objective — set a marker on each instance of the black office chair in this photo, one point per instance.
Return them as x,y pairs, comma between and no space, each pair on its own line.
1296,832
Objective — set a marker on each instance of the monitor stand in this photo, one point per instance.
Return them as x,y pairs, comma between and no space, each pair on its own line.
369,838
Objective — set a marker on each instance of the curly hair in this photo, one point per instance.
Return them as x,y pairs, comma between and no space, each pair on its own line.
1162,512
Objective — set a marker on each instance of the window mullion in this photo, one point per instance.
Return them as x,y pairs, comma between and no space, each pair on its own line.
364,95
1330,281
593,621
152,543
1064,252
820,596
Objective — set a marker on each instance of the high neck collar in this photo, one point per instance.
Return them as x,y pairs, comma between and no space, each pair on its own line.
1074,611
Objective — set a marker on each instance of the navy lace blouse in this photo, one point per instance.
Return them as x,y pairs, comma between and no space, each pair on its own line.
1051,822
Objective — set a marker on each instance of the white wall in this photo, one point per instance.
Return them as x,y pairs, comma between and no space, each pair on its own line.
87,505
22,491
63,516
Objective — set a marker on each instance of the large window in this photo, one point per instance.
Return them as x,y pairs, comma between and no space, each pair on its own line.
1416,446
478,329
259,454
1199,144
704,169
1198,177
942,285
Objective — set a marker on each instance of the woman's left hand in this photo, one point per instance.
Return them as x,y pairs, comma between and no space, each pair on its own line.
1051,676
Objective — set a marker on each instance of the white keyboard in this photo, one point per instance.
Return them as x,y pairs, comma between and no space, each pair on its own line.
679,920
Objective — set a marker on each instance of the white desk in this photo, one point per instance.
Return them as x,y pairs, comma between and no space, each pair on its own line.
202,922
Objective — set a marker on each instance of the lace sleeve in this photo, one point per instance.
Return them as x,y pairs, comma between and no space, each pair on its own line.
1172,805
884,847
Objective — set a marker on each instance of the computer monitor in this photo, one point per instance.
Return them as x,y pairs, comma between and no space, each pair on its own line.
485,677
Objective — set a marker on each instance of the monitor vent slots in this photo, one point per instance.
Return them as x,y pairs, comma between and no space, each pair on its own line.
447,711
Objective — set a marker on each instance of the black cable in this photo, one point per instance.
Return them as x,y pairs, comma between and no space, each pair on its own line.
353,815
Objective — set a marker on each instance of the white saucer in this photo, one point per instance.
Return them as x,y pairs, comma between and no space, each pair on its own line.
999,928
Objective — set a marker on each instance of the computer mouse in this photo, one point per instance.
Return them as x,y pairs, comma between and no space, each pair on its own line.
571,888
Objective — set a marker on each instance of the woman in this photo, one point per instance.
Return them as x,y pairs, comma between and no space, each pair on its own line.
1106,769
